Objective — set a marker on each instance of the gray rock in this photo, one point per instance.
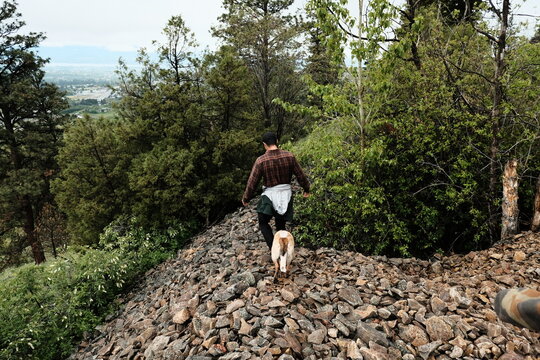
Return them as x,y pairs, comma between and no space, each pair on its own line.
317,336
426,350
246,276
413,304
375,300
316,296
235,305
231,356
461,300
438,329
158,344
341,327
344,308
436,267
217,350
384,313
271,322
223,321
287,295
456,353
367,333
253,310
285,357
350,295
224,295
306,325
438,306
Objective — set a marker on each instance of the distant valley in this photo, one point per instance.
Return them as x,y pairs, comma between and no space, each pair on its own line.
88,87
86,74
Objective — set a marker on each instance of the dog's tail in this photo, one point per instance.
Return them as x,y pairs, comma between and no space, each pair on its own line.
283,242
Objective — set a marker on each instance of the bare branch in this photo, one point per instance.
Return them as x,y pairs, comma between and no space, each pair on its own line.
495,10
485,33
349,33
469,71
432,185
529,15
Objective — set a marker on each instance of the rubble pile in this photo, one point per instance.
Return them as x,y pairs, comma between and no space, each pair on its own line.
217,300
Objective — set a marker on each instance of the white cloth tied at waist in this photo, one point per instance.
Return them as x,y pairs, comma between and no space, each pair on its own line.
279,195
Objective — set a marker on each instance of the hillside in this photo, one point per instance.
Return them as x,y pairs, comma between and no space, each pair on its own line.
217,300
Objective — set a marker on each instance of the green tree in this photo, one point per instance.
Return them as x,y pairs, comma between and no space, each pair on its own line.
230,102
92,189
420,180
30,128
362,34
267,39
320,67
177,154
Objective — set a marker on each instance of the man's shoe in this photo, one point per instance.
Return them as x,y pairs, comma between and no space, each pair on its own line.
520,307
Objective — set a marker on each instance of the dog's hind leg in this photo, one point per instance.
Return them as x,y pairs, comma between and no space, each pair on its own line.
276,266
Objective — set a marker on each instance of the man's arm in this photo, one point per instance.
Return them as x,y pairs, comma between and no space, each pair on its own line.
252,183
300,176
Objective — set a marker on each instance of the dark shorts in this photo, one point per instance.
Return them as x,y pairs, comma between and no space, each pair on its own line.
265,207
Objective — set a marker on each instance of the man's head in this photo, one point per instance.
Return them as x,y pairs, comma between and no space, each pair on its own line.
269,139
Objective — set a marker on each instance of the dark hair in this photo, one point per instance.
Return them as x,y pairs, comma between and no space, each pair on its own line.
269,138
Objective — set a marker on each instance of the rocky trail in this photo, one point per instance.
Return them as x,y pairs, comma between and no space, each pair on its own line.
216,300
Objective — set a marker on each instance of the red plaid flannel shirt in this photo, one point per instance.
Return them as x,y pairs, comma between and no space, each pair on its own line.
275,167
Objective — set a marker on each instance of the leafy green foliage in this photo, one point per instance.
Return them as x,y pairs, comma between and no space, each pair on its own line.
418,183
46,309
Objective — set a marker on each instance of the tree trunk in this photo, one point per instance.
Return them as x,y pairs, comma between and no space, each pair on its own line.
265,59
53,243
410,15
510,209
535,224
359,84
30,230
24,200
498,94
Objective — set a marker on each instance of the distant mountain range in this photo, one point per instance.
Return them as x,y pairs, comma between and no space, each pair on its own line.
87,55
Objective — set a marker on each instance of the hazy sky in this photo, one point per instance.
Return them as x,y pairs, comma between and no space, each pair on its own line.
118,25
127,25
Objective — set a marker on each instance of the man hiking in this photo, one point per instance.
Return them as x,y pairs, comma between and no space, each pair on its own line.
276,167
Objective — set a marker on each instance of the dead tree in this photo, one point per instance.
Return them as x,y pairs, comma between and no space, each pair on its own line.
510,209
535,224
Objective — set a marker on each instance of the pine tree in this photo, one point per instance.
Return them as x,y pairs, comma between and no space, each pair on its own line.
266,37
30,128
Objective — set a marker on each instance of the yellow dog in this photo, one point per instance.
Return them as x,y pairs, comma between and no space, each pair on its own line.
282,252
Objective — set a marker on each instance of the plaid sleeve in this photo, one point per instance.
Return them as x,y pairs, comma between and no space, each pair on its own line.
300,176
253,181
